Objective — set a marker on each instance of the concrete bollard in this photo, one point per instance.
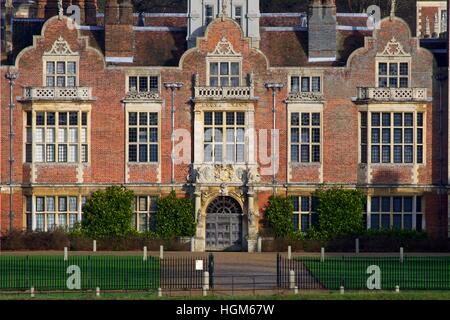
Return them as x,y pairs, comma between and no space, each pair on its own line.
97,292
295,290
145,254
397,289
161,252
259,245
32,292
401,254
205,292
357,245
342,290
66,255
94,246
159,292
322,254
289,252
291,279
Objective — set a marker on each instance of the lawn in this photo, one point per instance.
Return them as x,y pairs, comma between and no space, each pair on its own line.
414,273
332,295
46,273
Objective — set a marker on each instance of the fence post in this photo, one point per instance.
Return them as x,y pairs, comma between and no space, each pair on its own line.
32,292
161,252
65,254
97,292
145,253
342,290
322,254
289,252
357,245
295,290
291,279
159,292
397,289
205,283
94,246
259,244
401,254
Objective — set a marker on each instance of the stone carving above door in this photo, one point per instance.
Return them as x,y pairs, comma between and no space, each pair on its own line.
220,173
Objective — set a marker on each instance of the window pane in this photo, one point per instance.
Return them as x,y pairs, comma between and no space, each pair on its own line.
132,135
143,153
143,118
62,116
375,119
50,153
386,154
385,221
295,119
398,119
295,84
375,221
397,201
407,221
397,221
382,69
62,204
315,84
214,68
408,154
409,135
375,135
153,153
305,84
408,119
234,69
132,83
73,153
50,68
73,118
208,118
398,157
407,204
61,67
84,119
404,69
393,69
143,84
132,118
132,153
305,153
224,68
386,138
40,118
375,204
153,120
375,157
305,119
240,118
62,153
386,119
385,204
50,118
316,119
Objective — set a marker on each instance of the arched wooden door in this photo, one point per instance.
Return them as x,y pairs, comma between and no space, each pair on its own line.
224,225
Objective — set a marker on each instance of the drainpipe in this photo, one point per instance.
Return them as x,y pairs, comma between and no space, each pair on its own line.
173,86
441,78
274,87
11,76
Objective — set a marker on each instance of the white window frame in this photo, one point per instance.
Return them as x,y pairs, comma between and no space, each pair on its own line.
81,144
300,77
393,60
56,212
149,211
310,127
224,142
138,76
415,144
65,59
219,60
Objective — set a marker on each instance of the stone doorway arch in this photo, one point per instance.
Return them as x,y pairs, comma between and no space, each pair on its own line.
224,225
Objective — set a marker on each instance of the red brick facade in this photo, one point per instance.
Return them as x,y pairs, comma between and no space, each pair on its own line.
339,104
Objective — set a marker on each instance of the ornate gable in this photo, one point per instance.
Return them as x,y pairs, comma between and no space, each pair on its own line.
224,48
393,49
60,48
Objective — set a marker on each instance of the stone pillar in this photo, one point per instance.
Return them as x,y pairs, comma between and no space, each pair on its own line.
252,236
199,243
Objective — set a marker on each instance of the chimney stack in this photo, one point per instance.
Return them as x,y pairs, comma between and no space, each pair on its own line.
322,31
119,35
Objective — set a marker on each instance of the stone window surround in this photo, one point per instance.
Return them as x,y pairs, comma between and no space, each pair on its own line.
148,108
306,108
80,202
250,134
62,107
306,73
393,59
224,143
393,108
142,73
60,58
148,211
414,204
228,59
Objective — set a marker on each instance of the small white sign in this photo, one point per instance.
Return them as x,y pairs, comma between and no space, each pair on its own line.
198,264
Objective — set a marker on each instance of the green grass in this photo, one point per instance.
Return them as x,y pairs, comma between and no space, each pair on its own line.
415,273
106,272
333,295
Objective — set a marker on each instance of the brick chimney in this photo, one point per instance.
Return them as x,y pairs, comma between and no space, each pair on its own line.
322,30
46,9
119,35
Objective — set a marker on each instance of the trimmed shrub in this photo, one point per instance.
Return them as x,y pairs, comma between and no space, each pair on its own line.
175,217
108,213
279,212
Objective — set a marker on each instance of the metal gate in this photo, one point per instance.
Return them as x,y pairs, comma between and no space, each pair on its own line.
224,225
182,272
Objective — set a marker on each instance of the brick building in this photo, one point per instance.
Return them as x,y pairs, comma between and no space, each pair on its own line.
257,103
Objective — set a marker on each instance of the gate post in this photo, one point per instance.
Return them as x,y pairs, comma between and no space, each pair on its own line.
211,270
